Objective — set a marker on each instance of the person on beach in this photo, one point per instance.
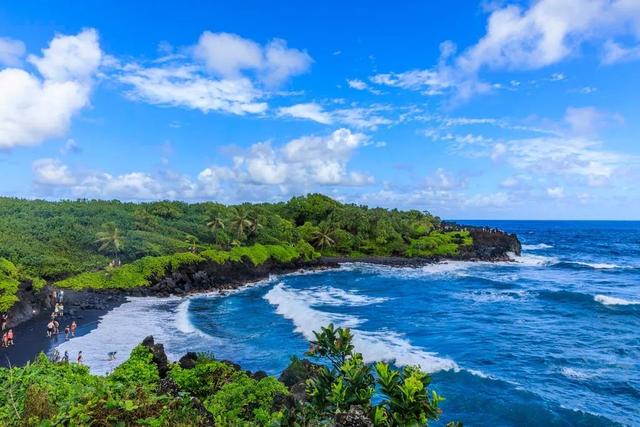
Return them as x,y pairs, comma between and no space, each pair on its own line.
50,329
79,359
55,356
67,331
73,328
65,358
56,327
56,310
112,355
5,340
10,337
54,298
61,296
3,321
61,309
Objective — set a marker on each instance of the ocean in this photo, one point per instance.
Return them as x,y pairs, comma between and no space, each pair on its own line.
552,339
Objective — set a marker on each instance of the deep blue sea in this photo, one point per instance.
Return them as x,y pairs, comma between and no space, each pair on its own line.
552,339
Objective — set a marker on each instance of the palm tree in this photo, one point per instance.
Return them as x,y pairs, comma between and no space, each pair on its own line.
240,222
255,224
323,237
216,223
192,241
110,240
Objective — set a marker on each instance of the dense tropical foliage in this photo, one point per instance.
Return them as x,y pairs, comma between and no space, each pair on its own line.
203,391
56,241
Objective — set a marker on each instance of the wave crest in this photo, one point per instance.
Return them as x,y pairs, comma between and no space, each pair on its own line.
609,300
374,346
536,247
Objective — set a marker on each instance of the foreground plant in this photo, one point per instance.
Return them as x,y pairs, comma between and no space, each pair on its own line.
345,384
147,390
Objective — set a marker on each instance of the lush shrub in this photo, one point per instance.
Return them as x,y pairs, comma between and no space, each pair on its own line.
137,370
244,400
9,284
439,243
206,378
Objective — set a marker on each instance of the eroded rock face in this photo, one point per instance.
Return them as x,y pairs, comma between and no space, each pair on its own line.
493,245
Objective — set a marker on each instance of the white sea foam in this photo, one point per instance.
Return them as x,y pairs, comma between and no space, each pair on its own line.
608,300
483,296
126,326
529,260
536,247
598,265
577,374
378,345
435,269
328,295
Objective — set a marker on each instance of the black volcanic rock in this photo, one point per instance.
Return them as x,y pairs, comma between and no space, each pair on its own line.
159,356
188,361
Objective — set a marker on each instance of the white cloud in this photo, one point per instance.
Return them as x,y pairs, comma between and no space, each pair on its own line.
282,62
70,57
358,117
11,52
614,52
546,33
262,171
52,172
185,86
226,73
228,55
570,157
357,84
556,192
310,111
444,180
70,147
33,109
586,121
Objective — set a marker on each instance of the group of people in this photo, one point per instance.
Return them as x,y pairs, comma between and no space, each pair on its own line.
53,328
55,357
7,334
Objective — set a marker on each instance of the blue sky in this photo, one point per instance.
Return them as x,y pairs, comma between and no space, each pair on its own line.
493,109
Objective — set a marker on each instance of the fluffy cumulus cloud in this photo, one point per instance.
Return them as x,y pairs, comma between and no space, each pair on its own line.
263,171
222,72
299,165
546,33
36,107
52,172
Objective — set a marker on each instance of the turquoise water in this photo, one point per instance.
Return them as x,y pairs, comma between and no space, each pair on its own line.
552,339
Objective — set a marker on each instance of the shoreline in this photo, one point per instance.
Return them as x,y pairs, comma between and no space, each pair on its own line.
88,307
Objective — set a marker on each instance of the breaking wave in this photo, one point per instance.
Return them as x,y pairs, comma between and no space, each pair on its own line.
539,246
374,346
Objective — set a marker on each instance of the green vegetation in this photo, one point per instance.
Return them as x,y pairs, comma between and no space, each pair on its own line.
83,243
8,284
211,392
138,273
